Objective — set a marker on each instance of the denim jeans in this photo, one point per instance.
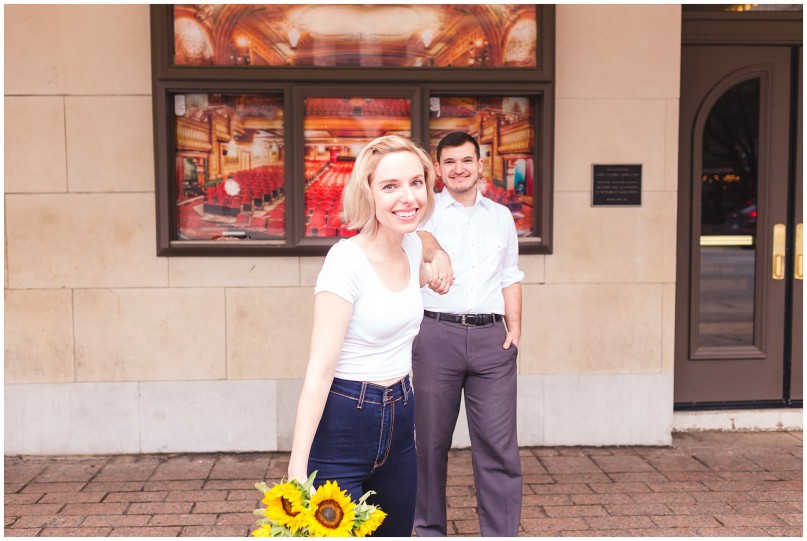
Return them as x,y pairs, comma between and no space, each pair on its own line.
366,441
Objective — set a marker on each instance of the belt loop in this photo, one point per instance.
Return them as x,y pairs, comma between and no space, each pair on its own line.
405,392
361,394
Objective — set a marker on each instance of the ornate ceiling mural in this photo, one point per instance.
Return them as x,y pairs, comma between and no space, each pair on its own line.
394,35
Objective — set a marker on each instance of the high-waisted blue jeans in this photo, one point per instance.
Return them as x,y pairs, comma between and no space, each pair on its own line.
366,441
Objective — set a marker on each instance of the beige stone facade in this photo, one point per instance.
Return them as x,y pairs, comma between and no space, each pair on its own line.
109,348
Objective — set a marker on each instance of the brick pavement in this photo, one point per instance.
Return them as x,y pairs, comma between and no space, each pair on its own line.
705,484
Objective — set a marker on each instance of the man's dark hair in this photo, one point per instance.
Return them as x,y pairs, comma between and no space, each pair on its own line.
456,139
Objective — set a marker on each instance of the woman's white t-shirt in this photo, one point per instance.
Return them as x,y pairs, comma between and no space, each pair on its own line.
378,342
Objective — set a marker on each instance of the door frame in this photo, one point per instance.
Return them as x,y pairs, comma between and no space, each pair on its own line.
741,29
794,347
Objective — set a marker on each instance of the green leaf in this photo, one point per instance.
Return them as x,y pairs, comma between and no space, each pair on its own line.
366,495
310,482
280,531
262,486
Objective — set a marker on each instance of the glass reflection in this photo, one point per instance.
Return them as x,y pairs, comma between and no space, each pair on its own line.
365,35
230,156
505,130
335,131
729,181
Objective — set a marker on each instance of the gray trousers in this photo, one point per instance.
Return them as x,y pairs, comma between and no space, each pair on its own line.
448,358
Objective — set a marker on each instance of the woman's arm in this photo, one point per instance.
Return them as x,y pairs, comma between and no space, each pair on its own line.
331,319
425,273
435,268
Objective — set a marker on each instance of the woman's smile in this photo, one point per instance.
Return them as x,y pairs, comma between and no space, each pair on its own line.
399,192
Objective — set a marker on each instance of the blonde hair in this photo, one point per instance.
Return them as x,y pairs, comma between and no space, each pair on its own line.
357,198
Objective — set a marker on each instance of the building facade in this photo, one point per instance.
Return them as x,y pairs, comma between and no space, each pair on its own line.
112,348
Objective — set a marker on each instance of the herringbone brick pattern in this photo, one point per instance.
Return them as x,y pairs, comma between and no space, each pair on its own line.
707,484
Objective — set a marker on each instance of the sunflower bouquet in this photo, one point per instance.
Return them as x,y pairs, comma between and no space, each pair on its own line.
296,510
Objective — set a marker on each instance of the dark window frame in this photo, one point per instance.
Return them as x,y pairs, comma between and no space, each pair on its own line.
294,84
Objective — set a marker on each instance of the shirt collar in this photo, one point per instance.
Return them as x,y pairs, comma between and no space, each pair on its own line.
444,199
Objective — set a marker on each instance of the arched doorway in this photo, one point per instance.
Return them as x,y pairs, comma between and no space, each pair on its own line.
739,287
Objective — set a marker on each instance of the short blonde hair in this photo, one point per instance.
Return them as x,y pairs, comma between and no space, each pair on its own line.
357,198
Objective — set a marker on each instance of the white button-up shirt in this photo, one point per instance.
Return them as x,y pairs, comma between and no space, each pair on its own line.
483,245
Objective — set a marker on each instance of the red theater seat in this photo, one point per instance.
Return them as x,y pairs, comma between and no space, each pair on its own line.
317,220
276,227
258,222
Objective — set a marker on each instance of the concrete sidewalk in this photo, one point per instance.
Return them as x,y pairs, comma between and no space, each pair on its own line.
705,484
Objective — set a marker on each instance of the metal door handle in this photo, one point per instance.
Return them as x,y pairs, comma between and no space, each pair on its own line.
779,234
798,260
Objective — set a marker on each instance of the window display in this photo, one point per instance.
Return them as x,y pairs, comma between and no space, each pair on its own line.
361,35
504,128
260,110
230,166
335,131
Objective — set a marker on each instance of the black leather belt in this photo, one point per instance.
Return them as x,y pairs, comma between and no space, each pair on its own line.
470,320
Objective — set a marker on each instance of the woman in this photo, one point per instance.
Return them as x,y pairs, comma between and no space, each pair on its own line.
355,418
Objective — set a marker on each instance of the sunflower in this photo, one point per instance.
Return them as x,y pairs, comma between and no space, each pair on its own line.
371,524
284,505
265,530
330,512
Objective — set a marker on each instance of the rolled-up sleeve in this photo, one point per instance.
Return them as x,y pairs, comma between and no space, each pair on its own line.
511,274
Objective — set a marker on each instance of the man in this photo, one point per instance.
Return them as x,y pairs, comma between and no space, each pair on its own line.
465,346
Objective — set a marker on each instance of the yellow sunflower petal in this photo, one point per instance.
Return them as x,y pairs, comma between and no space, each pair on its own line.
371,524
265,530
298,523
330,512
284,505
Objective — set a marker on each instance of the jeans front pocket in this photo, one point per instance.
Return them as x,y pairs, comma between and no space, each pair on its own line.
346,432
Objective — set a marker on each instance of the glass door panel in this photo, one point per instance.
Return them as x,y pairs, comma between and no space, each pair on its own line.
730,156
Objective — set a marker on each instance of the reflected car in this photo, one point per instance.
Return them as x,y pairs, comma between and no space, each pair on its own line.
743,222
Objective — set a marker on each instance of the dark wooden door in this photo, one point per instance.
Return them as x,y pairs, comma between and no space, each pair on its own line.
735,279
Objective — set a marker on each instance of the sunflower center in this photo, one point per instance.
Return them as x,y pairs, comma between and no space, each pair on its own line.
287,507
329,514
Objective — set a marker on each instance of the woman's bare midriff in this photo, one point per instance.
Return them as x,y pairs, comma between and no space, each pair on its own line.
387,382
